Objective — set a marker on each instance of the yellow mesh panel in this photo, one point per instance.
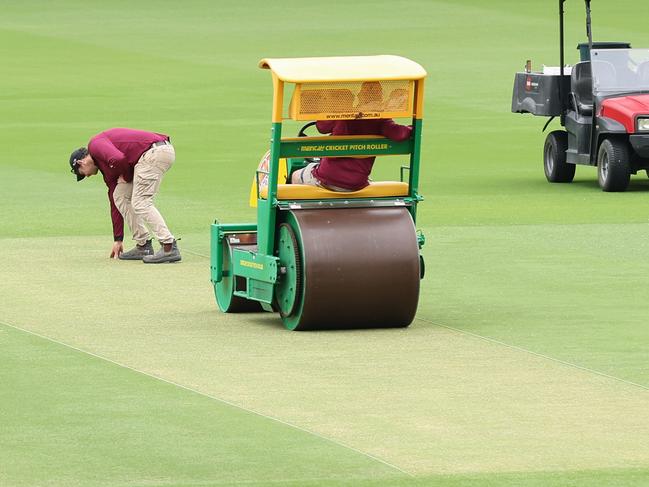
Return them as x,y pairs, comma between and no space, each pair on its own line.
350,100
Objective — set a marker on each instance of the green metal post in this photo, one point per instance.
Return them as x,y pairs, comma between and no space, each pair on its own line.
266,209
414,166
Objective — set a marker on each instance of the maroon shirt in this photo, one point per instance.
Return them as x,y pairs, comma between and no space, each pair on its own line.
350,172
116,152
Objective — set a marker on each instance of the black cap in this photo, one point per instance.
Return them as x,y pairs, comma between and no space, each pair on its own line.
77,155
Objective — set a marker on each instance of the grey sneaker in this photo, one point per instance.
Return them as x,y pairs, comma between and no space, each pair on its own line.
161,256
138,252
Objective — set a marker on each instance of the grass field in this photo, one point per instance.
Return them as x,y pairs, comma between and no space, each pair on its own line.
527,364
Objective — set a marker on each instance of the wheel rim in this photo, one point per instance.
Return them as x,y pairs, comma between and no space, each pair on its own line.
224,289
288,287
549,159
604,166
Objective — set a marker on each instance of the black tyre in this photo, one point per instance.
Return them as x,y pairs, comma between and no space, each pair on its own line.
557,170
613,170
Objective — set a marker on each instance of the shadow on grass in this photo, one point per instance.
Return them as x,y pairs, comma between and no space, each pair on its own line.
636,185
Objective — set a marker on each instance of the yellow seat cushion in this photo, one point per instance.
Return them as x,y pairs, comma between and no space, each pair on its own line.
378,189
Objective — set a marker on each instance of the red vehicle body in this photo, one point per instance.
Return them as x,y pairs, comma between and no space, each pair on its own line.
625,110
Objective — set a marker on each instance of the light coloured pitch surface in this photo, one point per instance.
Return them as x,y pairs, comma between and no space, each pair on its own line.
427,400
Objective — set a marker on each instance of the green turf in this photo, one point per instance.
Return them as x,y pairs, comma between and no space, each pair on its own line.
526,366
72,419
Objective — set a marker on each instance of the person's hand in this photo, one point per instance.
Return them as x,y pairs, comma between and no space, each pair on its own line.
118,248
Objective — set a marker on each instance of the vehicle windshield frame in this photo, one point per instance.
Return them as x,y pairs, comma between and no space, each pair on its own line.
620,71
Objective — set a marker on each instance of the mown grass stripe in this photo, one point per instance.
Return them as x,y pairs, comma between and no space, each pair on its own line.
209,396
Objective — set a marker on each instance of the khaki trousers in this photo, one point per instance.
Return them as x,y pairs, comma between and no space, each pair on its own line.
135,200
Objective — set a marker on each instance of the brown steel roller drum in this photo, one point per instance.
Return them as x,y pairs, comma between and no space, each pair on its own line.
360,268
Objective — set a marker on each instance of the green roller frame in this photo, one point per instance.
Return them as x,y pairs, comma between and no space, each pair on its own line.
261,265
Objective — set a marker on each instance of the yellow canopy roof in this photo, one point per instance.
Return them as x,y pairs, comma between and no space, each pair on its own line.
343,68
